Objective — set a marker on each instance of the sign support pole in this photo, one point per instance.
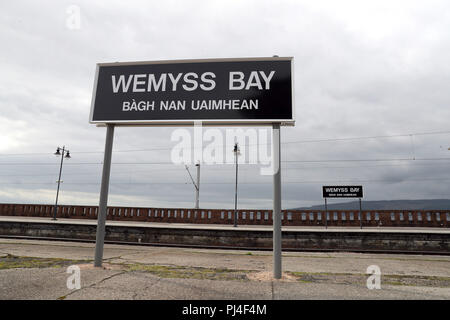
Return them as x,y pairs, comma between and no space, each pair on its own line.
103,203
326,214
236,186
276,214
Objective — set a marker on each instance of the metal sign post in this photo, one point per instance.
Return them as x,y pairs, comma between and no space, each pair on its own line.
236,154
276,214
326,214
103,203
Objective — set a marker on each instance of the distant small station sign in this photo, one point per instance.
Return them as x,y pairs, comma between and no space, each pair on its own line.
342,191
179,92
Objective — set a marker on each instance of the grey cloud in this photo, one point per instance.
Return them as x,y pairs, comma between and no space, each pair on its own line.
354,77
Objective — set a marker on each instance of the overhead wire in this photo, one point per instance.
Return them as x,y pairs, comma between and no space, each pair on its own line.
244,182
254,144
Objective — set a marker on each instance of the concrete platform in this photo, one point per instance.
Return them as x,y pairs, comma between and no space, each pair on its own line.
142,272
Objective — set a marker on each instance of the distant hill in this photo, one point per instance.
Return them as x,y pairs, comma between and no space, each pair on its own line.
433,204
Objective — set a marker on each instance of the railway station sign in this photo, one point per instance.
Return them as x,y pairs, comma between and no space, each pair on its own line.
342,192
179,92
249,91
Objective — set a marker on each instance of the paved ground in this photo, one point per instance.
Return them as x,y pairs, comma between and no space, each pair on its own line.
37,270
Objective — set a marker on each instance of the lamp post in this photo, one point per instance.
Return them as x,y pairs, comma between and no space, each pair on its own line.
196,185
64,154
236,152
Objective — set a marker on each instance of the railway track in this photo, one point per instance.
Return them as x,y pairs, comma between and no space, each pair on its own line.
175,245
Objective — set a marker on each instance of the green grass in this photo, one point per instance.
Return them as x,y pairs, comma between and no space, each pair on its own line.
189,272
361,278
15,262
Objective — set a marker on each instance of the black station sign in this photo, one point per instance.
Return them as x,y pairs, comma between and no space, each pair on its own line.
226,91
342,191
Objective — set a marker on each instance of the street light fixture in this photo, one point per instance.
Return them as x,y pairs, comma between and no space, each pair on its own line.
64,154
236,152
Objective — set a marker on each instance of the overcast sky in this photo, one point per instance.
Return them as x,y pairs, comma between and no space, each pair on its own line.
372,83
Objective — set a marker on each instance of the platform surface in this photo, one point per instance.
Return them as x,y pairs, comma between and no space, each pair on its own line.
32,269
